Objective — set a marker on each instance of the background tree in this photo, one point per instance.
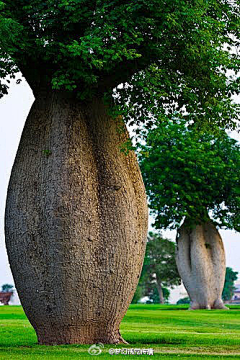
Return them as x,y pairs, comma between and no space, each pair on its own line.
183,301
6,293
229,288
189,176
7,288
69,176
153,294
138,295
159,269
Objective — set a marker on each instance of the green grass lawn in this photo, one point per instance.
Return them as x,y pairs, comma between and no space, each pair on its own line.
172,331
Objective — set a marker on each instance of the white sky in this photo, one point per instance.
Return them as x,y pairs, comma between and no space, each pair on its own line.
13,112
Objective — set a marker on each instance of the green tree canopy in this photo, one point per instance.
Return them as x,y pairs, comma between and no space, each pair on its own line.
228,289
190,174
167,55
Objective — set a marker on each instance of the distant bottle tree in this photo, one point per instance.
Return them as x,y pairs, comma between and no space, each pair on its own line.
191,176
229,288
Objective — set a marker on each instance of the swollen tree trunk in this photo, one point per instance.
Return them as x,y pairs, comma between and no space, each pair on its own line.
201,264
76,222
160,291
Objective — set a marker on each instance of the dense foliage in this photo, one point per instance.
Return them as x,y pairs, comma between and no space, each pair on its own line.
191,174
159,268
230,278
167,55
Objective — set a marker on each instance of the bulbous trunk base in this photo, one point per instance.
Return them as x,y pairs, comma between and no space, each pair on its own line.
75,221
201,264
217,305
89,334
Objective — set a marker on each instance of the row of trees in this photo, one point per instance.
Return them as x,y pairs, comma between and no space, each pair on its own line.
76,214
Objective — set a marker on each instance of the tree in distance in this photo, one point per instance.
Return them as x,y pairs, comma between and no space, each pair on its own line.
76,214
6,293
7,288
192,181
154,298
159,269
183,301
229,288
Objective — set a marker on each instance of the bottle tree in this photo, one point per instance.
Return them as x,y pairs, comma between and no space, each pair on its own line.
76,215
192,180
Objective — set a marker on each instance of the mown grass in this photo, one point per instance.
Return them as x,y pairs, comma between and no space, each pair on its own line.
172,331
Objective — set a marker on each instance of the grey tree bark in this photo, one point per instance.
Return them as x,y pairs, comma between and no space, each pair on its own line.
75,222
201,264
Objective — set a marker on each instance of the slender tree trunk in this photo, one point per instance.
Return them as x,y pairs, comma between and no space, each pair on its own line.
201,264
76,222
160,291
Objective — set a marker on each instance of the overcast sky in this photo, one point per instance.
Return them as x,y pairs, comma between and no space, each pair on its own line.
13,112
